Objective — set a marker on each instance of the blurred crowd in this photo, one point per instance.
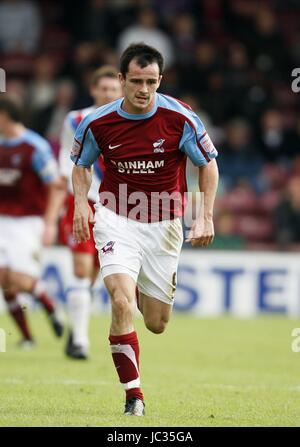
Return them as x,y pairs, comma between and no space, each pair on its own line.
231,60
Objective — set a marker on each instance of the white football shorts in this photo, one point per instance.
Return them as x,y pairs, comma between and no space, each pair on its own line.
21,244
148,252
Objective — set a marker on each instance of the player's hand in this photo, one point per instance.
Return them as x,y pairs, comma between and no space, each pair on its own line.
83,216
50,233
202,233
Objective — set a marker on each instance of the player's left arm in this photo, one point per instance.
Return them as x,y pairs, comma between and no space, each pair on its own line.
202,231
56,194
198,146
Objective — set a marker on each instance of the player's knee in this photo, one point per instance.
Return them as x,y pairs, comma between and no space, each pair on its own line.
120,307
21,282
157,327
81,270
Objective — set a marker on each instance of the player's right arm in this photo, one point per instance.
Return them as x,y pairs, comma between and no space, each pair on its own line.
58,193
45,165
83,215
85,151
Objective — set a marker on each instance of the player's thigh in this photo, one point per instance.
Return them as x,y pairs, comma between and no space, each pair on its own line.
118,244
20,282
83,264
158,275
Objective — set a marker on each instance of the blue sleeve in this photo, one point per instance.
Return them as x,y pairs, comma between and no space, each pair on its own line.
196,143
85,149
43,161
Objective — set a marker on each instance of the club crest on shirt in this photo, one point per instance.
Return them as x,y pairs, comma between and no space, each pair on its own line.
158,145
108,248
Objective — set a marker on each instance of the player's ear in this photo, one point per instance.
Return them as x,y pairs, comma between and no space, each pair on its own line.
121,79
159,80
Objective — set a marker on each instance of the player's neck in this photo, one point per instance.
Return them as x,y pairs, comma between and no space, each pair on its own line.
13,130
129,108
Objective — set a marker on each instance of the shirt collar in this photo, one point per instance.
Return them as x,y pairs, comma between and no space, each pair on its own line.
138,116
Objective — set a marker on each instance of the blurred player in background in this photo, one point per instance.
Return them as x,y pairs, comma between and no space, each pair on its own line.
28,179
145,139
105,87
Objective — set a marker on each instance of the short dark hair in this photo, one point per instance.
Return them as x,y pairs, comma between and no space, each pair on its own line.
144,55
106,71
11,109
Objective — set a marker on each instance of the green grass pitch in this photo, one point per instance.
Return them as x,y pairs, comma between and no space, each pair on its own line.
201,372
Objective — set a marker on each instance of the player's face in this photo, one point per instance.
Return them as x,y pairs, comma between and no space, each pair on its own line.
106,90
140,85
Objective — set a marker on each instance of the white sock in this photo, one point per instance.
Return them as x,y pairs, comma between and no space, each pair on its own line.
78,304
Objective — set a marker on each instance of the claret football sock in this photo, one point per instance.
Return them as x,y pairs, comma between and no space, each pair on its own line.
39,291
125,353
18,314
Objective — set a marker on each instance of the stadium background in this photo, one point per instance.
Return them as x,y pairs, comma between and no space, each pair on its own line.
232,61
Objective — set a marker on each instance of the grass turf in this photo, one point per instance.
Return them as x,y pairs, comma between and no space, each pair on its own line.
201,372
